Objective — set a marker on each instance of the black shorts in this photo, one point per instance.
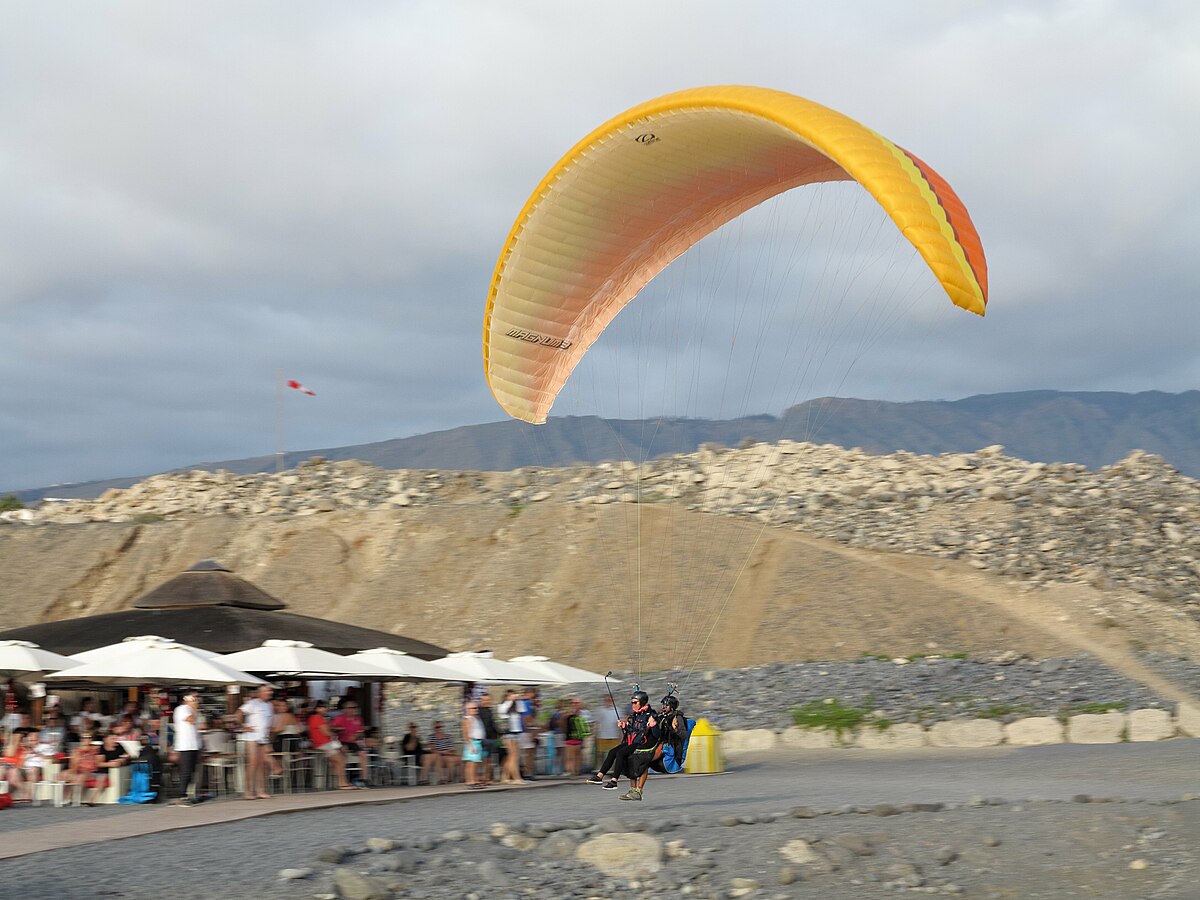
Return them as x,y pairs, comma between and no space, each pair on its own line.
639,761
351,747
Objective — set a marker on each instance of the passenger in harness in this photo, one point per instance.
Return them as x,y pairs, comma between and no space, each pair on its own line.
666,748
675,729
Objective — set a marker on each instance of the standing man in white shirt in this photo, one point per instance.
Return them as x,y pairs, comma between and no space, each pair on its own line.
254,717
187,743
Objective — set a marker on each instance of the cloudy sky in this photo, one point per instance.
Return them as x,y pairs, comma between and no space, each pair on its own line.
196,195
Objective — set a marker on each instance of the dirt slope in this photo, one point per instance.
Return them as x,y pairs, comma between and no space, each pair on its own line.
564,580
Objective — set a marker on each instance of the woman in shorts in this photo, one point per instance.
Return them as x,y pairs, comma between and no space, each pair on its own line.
320,735
84,766
473,734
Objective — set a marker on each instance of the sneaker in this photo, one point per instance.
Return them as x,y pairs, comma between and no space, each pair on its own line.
610,785
184,803
595,779
634,794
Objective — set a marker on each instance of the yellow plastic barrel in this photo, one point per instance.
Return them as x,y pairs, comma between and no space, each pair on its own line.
704,749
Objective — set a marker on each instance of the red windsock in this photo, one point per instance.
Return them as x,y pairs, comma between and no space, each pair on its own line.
298,386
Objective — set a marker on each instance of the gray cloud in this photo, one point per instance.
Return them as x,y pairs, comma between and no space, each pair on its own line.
196,195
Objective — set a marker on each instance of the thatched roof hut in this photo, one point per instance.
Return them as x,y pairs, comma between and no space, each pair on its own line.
209,606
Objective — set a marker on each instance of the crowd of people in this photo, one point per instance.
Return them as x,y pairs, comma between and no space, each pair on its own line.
511,742
499,743
82,750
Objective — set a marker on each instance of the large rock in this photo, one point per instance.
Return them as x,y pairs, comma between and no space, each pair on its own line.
966,733
799,852
1096,728
809,738
1188,720
356,886
558,846
747,740
624,855
1150,725
1033,731
903,736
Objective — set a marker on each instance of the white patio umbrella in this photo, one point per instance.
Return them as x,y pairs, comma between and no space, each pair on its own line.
484,668
302,660
401,665
123,647
560,673
19,658
149,662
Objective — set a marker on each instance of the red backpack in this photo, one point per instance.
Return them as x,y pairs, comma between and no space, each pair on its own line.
5,801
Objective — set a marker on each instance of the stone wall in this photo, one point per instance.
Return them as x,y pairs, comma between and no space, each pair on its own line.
1107,728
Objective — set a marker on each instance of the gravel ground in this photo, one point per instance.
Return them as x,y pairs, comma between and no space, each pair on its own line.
1182,671
1107,821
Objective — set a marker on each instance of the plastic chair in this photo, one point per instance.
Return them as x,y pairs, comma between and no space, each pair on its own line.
55,791
410,771
381,771
300,771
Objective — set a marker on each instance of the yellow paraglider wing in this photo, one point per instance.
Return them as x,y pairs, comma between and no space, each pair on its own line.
644,187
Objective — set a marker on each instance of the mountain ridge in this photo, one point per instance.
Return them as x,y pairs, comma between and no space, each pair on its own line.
1094,428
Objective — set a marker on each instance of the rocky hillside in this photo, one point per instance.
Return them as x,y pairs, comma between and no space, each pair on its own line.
775,552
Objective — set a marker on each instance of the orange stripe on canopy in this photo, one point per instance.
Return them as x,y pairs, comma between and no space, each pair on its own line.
648,184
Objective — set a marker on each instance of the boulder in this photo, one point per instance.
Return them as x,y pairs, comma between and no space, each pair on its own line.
809,738
623,855
356,886
966,733
903,736
1033,731
747,740
1187,718
1096,728
1150,725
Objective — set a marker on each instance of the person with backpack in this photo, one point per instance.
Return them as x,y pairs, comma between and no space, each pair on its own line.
576,730
675,731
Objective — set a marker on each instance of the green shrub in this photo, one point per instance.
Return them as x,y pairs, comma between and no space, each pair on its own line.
1000,710
830,714
10,502
1097,708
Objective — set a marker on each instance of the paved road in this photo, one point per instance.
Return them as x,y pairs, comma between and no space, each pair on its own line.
241,858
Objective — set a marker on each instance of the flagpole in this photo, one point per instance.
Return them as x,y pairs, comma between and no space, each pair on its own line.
278,420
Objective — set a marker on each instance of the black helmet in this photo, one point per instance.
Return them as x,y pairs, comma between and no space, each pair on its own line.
671,701
641,698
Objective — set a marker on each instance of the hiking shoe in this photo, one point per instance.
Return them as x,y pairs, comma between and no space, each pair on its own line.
595,779
610,785
634,794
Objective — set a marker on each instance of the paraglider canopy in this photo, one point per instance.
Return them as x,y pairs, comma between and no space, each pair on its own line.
644,187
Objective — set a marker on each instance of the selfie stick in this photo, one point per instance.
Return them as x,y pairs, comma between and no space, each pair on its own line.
610,696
